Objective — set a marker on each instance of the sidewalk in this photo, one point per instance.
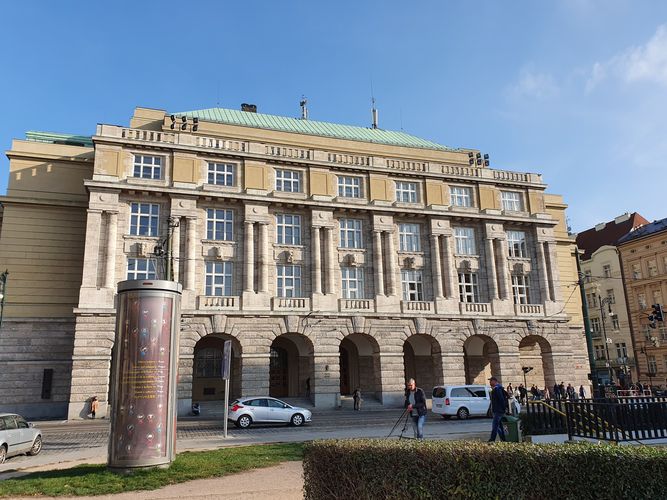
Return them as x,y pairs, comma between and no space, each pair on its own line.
284,481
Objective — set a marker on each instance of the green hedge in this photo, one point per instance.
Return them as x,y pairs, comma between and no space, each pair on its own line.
365,469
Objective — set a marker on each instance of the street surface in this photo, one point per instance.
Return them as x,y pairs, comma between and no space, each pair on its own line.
86,440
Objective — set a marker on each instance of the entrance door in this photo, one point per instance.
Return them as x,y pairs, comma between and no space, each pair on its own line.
344,371
278,373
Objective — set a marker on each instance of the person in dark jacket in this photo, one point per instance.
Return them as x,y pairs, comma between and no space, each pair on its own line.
498,405
415,402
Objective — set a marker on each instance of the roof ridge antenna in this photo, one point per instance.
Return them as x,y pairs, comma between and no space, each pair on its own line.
374,111
304,107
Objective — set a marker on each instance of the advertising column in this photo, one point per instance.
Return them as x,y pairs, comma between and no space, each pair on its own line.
143,375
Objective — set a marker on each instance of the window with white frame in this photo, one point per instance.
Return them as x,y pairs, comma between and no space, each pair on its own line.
600,352
409,238
288,181
406,192
219,224
222,174
465,240
595,325
615,323
652,266
606,271
147,167
468,287
621,350
516,241
144,219
413,289
349,186
512,201
141,269
353,282
218,278
641,300
460,196
350,233
288,229
521,289
289,281
636,271
652,365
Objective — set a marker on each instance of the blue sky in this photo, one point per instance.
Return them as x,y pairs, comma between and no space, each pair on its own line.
572,89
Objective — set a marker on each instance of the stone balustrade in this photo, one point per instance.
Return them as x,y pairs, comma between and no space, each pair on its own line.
416,306
366,305
291,304
217,303
528,309
475,308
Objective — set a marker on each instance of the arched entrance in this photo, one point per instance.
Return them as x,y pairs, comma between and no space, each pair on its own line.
291,366
422,360
535,353
481,359
360,365
207,382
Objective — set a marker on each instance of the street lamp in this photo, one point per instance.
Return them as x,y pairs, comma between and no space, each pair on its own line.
3,292
526,369
606,301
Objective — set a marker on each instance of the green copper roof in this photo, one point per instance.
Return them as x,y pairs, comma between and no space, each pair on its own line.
312,127
53,138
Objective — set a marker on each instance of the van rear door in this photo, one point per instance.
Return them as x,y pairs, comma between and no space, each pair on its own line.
438,400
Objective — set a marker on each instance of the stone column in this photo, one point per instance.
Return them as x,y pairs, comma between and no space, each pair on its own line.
503,272
450,269
176,249
554,275
264,257
249,282
110,268
392,379
437,268
191,263
90,263
255,373
491,268
391,257
453,367
544,277
378,262
331,259
325,389
317,260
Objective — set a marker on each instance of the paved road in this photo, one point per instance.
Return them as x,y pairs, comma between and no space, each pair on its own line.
87,440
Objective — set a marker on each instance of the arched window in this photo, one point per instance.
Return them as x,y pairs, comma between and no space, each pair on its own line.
208,363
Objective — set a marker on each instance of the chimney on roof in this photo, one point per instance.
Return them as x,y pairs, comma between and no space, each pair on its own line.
250,108
622,218
600,226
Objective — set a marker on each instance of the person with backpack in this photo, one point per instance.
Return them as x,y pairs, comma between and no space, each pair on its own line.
498,408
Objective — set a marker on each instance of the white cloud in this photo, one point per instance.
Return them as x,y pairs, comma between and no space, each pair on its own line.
535,85
646,63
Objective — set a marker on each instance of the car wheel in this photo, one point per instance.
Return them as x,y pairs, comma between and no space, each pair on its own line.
446,417
36,446
244,421
297,420
3,454
463,413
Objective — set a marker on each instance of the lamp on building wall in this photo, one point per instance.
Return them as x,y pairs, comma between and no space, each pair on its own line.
194,126
478,159
3,292
525,370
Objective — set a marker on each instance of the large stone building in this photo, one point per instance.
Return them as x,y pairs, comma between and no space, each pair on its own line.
332,256
643,254
605,297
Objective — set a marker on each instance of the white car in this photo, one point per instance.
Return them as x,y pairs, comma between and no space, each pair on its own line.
461,400
243,412
18,436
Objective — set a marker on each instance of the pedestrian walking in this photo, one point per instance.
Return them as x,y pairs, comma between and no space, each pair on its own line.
582,392
498,405
570,392
415,402
308,387
94,406
356,396
547,394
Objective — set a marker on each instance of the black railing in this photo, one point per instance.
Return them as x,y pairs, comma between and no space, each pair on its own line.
545,418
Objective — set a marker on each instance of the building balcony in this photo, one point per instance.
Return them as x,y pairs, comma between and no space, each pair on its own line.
356,305
218,303
290,304
528,309
420,306
615,363
475,308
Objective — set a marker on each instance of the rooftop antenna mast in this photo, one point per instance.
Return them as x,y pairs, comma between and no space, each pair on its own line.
304,107
374,111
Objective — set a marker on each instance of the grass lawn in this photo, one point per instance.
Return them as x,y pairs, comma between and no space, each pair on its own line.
96,480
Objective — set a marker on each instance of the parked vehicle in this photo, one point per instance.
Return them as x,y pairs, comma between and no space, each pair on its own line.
18,436
461,400
246,411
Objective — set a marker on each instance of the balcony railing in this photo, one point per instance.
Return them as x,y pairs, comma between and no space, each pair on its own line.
475,307
356,305
291,304
218,303
528,310
416,306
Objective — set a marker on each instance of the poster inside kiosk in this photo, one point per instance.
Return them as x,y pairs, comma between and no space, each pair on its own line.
145,362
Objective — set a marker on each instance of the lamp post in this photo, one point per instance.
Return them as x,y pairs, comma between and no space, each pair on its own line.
606,301
525,370
3,292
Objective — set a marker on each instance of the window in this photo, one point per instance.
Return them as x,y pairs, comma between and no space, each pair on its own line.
349,187
641,300
353,282
209,363
614,323
147,167
288,181
516,240
222,174
520,289
652,268
595,325
588,275
141,269
465,240
468,289
406,192
144,219
289,281
511,201
621,350
636,271
350,233
460,196
611,296
288,229
606,271
665,360
219,224
10,422
218,279
652,365
409,238
657,297
275,404
600,352
412,285
591,298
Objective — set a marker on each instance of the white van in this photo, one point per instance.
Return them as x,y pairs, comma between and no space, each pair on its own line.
461,400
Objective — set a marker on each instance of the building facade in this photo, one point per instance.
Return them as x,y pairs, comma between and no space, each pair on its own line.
643,255
333,257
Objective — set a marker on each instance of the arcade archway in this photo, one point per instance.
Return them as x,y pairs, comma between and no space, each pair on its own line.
481,359
422,360
360,365
207,382
291,366
535,353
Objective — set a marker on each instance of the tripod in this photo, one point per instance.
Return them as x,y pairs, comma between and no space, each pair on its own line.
405,416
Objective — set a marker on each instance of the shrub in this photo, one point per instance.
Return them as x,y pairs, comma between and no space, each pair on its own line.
365,469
